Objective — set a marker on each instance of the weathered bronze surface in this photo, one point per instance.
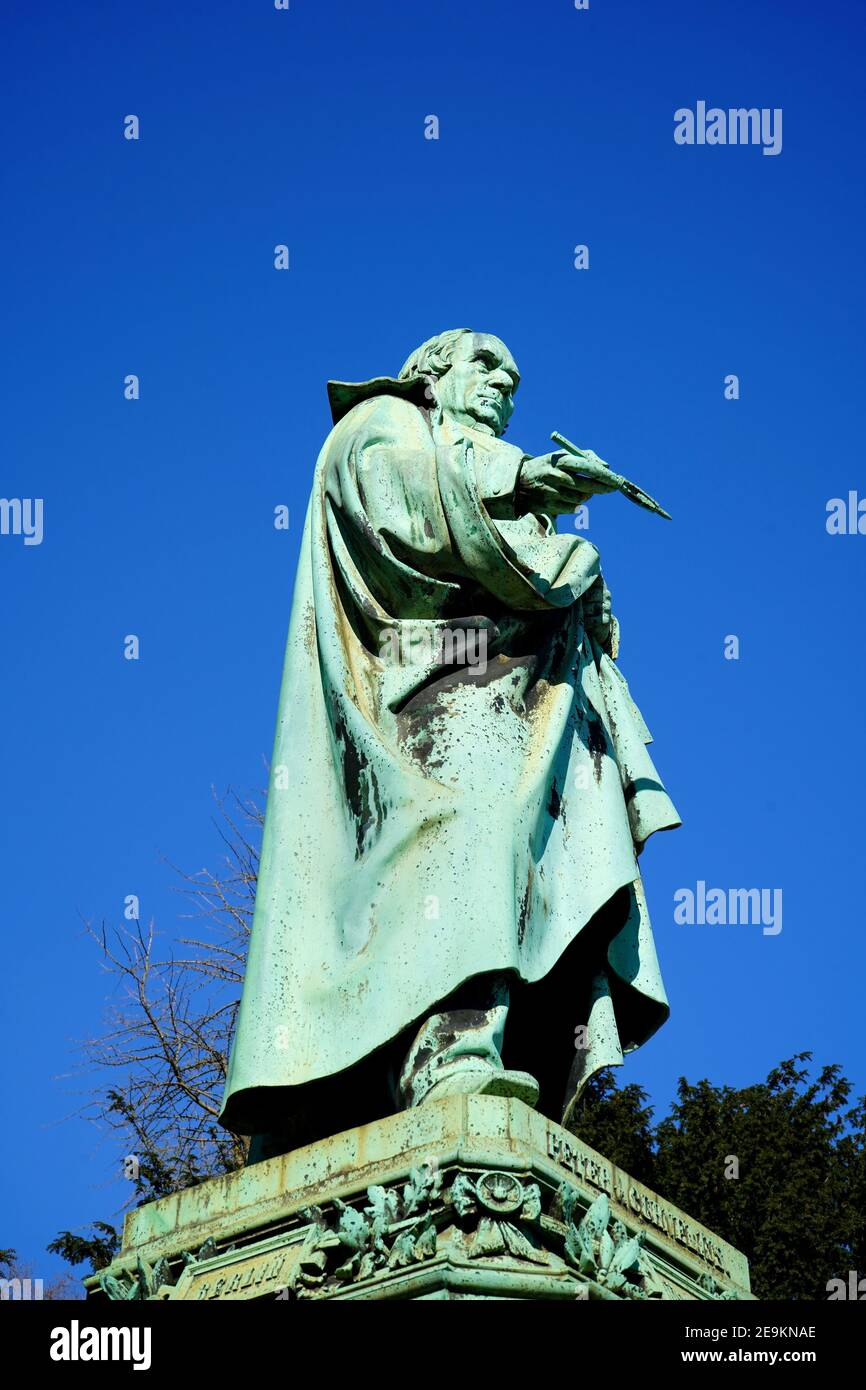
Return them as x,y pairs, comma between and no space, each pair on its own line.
460,782
469,1197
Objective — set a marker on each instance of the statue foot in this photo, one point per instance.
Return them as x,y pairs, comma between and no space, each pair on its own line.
485,1081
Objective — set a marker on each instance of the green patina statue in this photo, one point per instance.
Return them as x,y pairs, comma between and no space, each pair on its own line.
449,898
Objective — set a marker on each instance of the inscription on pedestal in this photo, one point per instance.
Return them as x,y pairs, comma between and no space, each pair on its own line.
633,1198
510,1205
259,1274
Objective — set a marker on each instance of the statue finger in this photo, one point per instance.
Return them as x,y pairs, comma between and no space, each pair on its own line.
585,482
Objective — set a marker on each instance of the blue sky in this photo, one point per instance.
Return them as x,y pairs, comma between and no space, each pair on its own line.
155,257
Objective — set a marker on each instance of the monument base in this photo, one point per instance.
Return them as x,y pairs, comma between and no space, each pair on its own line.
467,1197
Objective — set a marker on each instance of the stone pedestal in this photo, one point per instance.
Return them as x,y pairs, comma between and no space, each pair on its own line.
467,1197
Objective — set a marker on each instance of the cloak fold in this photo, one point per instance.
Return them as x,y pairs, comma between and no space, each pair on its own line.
436,813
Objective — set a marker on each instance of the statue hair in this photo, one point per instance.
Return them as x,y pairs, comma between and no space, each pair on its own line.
433,358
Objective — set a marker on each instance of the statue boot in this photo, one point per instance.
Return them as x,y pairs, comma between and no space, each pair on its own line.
456,1051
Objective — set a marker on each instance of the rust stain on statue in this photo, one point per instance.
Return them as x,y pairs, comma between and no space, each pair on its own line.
362,790
554,806
523,916
596,741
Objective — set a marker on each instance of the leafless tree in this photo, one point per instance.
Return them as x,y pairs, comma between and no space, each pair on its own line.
166,1044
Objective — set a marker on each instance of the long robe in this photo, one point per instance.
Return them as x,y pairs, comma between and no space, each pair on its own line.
431,819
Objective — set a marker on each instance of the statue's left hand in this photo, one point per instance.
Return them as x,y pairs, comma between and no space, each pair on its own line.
551,484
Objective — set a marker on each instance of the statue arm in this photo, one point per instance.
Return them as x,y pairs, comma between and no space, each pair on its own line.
497,474
414,517
381,481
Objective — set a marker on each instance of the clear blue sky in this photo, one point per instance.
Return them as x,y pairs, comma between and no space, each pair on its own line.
155,257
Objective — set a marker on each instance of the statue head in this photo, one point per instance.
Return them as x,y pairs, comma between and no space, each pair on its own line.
472,376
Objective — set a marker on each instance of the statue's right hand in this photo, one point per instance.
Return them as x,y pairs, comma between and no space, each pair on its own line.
544,485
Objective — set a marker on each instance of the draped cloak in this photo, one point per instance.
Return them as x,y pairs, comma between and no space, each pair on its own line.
431,819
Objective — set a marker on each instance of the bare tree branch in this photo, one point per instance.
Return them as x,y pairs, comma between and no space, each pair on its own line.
169,1032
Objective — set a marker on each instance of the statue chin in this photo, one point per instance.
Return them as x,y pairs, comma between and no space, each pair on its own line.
491,421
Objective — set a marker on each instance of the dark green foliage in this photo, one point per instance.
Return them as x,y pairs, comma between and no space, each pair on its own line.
618,1123
98,1249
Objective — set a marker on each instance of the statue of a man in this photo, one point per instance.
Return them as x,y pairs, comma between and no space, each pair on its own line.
448,898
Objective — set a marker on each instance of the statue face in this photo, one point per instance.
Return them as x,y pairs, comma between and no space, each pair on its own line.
478,389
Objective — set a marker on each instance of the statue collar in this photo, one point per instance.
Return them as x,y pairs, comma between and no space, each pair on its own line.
343,395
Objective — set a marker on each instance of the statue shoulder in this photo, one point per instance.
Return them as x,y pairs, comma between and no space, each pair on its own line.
385,419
